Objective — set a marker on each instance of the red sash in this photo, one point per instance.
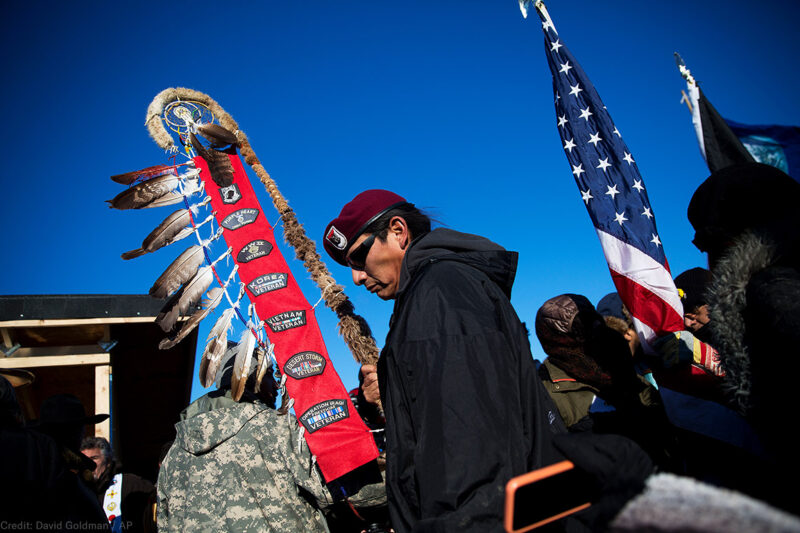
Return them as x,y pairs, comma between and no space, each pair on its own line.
334,431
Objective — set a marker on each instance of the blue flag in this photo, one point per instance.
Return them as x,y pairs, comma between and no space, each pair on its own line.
774,145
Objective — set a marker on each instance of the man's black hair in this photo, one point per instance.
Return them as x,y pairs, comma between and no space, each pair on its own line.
418,222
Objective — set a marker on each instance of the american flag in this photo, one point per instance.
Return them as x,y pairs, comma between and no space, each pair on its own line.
614,194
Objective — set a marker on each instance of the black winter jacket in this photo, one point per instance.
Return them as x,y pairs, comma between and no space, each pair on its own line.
465,410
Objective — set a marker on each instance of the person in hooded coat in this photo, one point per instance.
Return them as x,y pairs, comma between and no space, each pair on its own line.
746,219
464,408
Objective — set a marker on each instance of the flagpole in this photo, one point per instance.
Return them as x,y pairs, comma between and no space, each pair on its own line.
685,99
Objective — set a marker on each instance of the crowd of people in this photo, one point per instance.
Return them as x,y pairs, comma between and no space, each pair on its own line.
689,432
686,432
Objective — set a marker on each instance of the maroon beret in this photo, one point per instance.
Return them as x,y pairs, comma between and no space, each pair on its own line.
354,218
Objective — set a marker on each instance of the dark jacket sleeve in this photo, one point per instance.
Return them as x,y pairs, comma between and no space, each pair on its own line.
464,371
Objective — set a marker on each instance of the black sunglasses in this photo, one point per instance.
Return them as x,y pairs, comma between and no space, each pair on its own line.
358,257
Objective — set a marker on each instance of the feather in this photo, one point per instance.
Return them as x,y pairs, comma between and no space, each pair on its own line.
214,297
216,344
185,298
144,193
217,135
150,172
263,362
180,271
219,165
170,198
172,229
241,365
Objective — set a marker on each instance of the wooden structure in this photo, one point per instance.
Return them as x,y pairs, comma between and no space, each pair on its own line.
104,350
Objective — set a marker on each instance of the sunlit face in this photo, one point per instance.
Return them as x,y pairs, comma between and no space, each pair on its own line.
382,262
96,455
696,318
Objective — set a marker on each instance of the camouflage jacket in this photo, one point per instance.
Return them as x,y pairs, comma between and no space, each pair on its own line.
238,467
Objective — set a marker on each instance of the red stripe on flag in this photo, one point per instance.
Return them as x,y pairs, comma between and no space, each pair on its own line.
646,306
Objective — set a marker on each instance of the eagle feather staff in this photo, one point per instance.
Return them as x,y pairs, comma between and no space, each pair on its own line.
297,340
353,328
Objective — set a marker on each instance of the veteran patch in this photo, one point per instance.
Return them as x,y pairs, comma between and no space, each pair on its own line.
287,320
254,250
230,194
268,283
240,218
324,414
304,365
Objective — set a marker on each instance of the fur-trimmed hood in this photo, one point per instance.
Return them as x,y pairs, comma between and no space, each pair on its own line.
727,300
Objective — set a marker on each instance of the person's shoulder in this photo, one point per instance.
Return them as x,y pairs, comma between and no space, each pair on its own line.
447,272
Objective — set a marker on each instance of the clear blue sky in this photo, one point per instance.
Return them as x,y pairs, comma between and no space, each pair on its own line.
448,103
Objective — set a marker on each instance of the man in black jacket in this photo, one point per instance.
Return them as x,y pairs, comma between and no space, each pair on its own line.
464,408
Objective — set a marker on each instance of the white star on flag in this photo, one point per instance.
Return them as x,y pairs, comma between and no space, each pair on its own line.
612,191
620,217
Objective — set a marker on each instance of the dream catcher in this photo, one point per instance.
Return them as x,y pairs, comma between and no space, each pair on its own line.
258,292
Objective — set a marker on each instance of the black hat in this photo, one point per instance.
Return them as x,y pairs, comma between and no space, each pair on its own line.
66,409
692,286
737,198
611,305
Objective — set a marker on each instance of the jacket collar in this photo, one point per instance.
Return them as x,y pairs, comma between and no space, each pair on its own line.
444,244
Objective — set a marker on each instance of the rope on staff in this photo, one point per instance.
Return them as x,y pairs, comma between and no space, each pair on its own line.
353,328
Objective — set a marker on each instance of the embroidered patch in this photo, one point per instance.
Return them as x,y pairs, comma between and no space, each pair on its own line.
324,414
254,250
230,194
268,283
304,365
336,238
287,320
239,218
